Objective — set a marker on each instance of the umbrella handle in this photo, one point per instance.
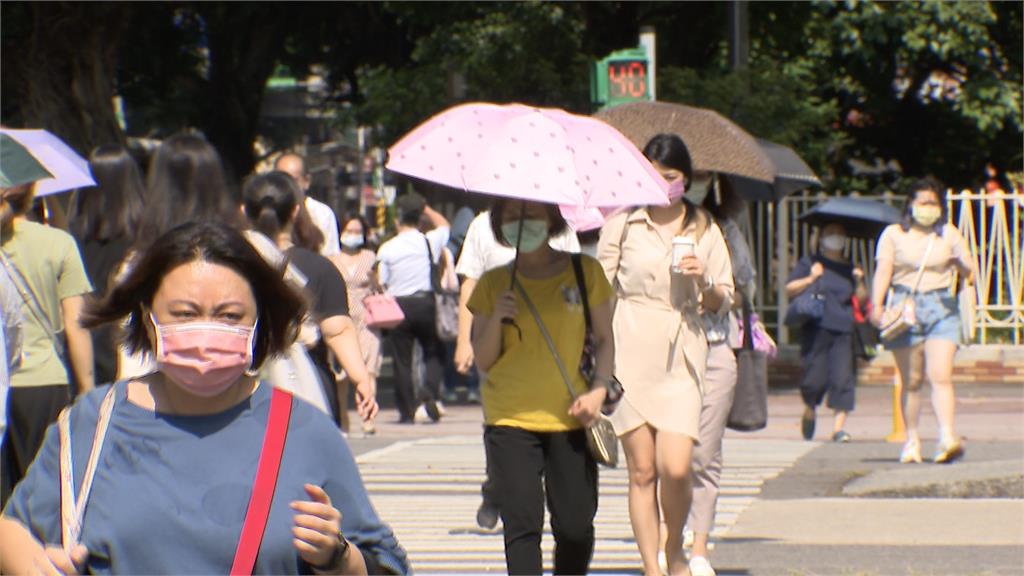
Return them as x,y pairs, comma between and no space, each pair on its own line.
515,259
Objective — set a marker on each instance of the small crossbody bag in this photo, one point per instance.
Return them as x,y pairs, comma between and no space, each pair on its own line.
898,318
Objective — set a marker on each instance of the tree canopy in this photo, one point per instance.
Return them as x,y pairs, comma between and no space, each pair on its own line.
931,87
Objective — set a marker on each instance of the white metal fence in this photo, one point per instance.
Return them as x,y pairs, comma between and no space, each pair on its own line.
992,225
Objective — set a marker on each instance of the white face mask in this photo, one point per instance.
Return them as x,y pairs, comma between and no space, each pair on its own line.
834,242
351,240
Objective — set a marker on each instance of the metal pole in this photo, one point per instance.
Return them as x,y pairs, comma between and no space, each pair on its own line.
648,39
782,268
739,34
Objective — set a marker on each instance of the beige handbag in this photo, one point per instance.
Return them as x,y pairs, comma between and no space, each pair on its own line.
898,318
601,438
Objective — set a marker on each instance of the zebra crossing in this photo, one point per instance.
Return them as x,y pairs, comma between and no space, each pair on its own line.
428,490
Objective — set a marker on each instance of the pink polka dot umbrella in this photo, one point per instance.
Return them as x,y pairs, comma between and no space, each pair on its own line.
528,153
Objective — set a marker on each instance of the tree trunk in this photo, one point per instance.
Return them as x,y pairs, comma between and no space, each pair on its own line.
70,72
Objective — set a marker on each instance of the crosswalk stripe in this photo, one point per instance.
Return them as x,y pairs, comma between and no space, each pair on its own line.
428,491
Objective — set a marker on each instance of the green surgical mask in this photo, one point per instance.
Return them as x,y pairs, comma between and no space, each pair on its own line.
926,215
535,234
698,191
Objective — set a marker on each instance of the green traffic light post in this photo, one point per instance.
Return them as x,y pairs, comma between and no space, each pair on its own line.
622,76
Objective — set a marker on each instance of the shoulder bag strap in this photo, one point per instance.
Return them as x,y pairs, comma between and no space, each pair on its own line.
72,508
263,486
547,339
581,285
622,243
748,329
33,306
435,274
924,262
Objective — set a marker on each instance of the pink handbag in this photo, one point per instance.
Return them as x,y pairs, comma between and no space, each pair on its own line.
382,311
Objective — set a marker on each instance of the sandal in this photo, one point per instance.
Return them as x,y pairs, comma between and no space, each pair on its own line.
949,453
911,452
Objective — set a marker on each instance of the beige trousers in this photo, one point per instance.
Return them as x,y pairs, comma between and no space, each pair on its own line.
719,388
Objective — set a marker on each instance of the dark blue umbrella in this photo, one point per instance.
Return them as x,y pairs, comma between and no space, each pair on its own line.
862,218
791,174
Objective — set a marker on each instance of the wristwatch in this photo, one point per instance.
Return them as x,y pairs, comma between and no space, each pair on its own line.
334,563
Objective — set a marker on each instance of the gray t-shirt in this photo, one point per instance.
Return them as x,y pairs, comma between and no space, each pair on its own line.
171,492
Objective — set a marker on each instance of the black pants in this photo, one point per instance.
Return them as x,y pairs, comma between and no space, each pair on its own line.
30,410
525,465
829,367
418,326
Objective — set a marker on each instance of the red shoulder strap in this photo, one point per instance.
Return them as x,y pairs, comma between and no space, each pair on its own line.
263,487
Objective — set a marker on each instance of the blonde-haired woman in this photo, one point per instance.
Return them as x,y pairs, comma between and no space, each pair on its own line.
660,346
917,259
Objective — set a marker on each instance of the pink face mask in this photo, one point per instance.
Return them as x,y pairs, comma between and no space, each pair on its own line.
676,189
204,358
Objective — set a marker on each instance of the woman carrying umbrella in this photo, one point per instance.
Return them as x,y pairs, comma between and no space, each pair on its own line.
917,259
529,432
826,343
661,349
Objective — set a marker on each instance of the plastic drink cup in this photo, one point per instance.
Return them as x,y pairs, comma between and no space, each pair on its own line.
682,246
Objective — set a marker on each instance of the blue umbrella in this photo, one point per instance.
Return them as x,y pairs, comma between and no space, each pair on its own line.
861,217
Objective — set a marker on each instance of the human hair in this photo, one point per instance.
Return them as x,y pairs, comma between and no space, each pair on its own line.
556,223
410,208
20,197
185,182
926,184
269,200
670,151
347,219
723,202
111,209
279,308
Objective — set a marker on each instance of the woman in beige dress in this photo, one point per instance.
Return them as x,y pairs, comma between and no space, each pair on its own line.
661,349
355,262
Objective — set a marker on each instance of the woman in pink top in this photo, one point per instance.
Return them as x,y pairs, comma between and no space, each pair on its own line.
927,349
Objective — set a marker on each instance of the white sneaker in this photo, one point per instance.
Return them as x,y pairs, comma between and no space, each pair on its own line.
699,566
440,409
420,416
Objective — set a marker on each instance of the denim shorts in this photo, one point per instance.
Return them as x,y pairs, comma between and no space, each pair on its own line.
938,318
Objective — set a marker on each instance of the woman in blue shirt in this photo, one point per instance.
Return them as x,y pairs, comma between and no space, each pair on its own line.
176,468
826,345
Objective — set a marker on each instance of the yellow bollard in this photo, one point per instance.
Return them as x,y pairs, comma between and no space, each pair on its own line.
899,429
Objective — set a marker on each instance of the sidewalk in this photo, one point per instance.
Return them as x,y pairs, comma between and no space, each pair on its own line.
849,508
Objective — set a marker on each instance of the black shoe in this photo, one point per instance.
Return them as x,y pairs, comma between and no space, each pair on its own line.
807,425
842,436
487,516
432,410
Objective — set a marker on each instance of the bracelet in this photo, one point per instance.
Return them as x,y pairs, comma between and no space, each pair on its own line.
334,563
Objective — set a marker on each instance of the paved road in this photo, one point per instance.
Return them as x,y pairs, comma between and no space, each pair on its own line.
429,490
783,511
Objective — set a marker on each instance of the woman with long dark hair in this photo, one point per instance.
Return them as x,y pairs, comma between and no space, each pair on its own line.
272,204
104,220
660,346
186,182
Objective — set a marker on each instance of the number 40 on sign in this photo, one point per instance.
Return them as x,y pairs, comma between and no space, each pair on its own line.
620,77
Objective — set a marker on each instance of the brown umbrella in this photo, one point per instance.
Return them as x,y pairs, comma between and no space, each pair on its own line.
716,143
